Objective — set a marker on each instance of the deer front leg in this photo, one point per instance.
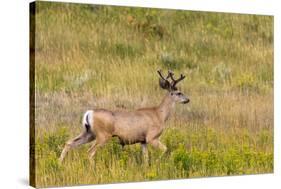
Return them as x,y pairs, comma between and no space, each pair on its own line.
144,152
157,144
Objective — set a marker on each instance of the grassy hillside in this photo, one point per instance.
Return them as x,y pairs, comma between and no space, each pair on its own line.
104,56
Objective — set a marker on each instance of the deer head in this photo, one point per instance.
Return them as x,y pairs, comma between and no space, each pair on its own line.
171,87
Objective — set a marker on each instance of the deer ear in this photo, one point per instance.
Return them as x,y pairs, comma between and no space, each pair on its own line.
164,84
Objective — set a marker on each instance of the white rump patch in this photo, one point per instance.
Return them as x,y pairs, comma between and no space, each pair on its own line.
88,118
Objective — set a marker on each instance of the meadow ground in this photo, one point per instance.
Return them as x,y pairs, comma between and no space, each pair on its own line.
95,56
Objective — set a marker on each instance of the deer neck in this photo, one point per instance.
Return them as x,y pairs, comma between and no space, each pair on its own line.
166,107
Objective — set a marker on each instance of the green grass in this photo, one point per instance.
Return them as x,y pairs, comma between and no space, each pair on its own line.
96,56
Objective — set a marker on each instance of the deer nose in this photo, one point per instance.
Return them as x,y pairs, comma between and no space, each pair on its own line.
186,101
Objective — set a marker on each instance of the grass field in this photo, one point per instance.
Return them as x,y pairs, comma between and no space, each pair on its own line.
95,56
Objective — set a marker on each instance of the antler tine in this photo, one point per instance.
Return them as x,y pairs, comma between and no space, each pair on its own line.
160,74
175,81
170,74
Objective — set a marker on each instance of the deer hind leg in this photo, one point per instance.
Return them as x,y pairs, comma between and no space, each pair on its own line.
83,138
99,142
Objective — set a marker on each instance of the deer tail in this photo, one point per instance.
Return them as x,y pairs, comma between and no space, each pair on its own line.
88,121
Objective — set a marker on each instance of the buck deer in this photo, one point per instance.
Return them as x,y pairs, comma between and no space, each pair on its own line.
143,125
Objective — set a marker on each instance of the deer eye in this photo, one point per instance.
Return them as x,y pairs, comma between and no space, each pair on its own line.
179,93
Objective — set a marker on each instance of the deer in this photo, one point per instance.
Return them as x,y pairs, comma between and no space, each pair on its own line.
144,125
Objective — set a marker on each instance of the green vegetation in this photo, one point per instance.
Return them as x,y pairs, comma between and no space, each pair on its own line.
104,56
